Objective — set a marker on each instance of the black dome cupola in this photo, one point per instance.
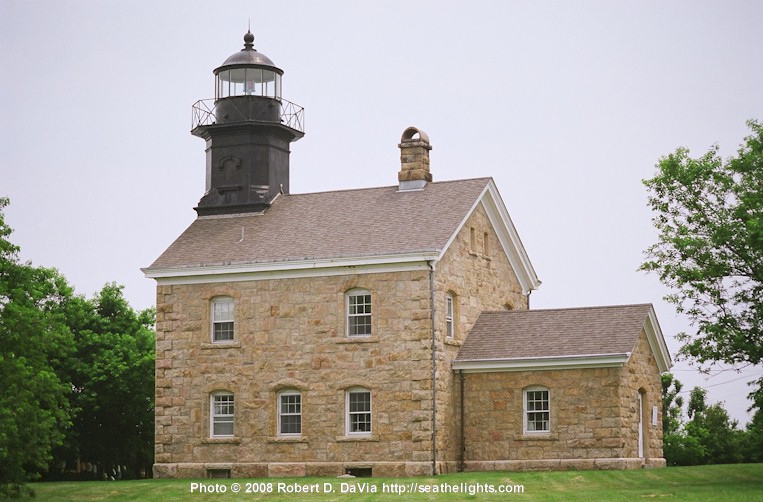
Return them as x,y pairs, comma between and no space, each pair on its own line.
248,128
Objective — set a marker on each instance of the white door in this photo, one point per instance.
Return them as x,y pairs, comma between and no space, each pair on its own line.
640,426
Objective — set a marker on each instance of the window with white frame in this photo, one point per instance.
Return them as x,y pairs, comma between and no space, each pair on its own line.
359,313
289,413
449,326
221,414
537,413
358,408
222,319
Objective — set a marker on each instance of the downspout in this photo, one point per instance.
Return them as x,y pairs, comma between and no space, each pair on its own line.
462,454
434,371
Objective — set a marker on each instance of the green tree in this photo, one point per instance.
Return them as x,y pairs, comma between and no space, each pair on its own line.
709,437
112,376
709,214
753,439
719,437
34,406
672,404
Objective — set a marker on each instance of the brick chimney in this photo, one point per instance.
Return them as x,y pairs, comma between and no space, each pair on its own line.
414,160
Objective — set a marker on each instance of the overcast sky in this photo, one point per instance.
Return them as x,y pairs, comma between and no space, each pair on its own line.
568,105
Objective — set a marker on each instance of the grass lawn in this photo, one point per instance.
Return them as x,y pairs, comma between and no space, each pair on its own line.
715,482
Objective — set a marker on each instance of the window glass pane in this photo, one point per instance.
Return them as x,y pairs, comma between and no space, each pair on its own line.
268,83
449,315
223,84
359,315
237,78
359,404
290,414
223,428
222,414
537,409
291,424
222,310
222,320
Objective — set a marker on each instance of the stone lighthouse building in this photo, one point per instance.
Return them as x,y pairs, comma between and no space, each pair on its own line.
383,331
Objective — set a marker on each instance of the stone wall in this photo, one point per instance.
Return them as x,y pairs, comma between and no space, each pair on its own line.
290,333
594,417
477,273
586,419
641,375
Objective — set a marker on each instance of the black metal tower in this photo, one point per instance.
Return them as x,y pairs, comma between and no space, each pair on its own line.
247,128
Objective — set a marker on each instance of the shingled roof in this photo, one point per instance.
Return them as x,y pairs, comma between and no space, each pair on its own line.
572,337
332,227
329,225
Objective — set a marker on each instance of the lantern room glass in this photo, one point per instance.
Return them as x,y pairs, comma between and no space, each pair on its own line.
248,82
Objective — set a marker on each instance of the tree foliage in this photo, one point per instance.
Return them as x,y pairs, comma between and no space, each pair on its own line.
76,374
709,214
672,404
112,377
34,343
709,436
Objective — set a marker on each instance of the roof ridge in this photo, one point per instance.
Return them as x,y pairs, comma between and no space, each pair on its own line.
443,182
562,309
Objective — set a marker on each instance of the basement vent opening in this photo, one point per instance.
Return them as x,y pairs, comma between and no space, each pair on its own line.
218,473
359,472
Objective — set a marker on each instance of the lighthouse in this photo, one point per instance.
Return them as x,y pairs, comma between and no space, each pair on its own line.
248,128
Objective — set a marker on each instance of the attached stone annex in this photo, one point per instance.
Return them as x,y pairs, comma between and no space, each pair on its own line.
377,332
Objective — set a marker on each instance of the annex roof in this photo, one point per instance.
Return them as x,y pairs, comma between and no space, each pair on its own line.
341,227
560,338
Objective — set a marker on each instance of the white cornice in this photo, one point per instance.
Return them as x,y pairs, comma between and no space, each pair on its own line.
542,363
509,238
291,269
657,342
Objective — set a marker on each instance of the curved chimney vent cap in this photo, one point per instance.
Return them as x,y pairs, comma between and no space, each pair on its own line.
408,135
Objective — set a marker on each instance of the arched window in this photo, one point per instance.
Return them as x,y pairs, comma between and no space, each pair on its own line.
537,410
289,413
221,414
358,411
358,307
221,310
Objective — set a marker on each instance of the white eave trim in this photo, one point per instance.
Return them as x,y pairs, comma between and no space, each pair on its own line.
542,363
657,342
290,269
508,236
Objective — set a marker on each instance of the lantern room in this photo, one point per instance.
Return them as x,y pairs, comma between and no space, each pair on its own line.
248,73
